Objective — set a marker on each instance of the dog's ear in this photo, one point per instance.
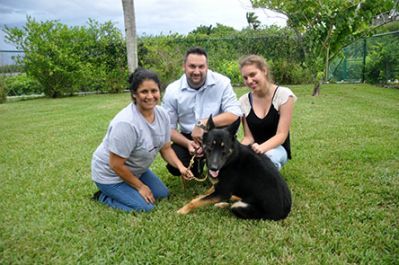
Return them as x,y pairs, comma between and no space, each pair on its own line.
210,125
233,128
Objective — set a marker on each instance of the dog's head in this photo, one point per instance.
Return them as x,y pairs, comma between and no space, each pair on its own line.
218,145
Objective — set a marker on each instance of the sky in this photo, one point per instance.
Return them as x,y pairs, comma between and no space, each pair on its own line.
153,17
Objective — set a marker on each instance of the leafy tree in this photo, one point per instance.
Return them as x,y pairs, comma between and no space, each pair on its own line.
50,55
202,30
223,31
219,31
66,60
324,27
105,51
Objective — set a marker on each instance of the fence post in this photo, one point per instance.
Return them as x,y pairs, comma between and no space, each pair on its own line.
364,60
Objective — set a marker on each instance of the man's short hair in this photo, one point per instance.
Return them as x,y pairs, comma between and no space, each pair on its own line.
195,50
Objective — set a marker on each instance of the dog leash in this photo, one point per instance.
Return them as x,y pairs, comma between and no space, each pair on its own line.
190,165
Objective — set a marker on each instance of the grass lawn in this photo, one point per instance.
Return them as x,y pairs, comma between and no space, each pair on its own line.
344,178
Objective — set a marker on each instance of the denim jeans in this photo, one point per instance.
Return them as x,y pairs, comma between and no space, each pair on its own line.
124,197
278,156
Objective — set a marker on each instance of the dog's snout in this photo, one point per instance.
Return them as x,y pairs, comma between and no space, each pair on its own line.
213,167
213,164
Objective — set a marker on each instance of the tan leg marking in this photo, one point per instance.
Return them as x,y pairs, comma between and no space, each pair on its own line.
234,198
195,203
222,205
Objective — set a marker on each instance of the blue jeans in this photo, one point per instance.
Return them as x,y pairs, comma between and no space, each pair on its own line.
124,197
278,156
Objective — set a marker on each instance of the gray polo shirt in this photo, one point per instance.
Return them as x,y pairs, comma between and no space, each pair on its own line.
130,136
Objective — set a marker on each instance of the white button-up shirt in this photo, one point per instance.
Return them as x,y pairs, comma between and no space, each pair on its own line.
186,105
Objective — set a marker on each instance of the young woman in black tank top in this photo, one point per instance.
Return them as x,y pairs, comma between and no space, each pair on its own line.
268,118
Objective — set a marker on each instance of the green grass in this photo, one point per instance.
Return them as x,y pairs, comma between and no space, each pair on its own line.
344,178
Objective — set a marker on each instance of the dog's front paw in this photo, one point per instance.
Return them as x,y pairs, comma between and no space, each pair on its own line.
184,210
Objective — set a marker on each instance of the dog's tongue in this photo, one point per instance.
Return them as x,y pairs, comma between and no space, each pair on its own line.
214,173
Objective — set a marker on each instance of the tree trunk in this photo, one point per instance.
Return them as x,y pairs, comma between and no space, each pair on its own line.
130,33
316,88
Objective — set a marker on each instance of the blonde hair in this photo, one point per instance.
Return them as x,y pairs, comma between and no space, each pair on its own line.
259,62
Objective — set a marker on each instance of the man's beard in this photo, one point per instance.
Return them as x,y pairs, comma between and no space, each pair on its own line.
196,86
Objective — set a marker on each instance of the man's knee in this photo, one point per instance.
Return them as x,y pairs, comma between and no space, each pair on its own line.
172,170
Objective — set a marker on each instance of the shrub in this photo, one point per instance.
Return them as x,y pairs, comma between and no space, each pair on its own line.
289,73
229,69
117,80
22,85
11,68
163,56
3,90
382,62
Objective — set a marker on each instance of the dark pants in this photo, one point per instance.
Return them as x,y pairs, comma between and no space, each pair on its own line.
185,157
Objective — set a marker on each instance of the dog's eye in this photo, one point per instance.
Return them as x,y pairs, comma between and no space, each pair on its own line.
227,151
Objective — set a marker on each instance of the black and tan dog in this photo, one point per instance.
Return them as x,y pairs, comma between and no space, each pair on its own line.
240,172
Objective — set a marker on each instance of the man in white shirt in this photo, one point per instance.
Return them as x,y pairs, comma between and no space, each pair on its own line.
190,101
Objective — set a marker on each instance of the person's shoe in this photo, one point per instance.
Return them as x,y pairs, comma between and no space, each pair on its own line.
96,196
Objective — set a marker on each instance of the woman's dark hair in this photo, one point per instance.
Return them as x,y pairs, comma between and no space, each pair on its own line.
138,77
195,50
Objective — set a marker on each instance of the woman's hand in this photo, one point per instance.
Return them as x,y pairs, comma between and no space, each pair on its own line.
257,148
146,193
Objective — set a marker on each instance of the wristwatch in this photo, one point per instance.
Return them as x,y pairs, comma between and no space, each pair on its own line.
200,125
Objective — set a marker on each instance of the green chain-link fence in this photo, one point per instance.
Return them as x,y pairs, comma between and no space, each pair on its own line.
372,60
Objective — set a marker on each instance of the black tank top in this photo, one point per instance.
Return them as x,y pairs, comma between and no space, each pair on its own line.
264,129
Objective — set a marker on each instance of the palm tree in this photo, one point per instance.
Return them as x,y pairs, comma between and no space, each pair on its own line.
252,20
131,37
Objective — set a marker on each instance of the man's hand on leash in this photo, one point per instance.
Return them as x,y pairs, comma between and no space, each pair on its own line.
195,148
186,173
197,134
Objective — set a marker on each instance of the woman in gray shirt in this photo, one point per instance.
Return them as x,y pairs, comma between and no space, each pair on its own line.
120,164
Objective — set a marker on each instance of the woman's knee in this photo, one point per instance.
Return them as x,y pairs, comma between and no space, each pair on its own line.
161,192
278,156
145,207
158,188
